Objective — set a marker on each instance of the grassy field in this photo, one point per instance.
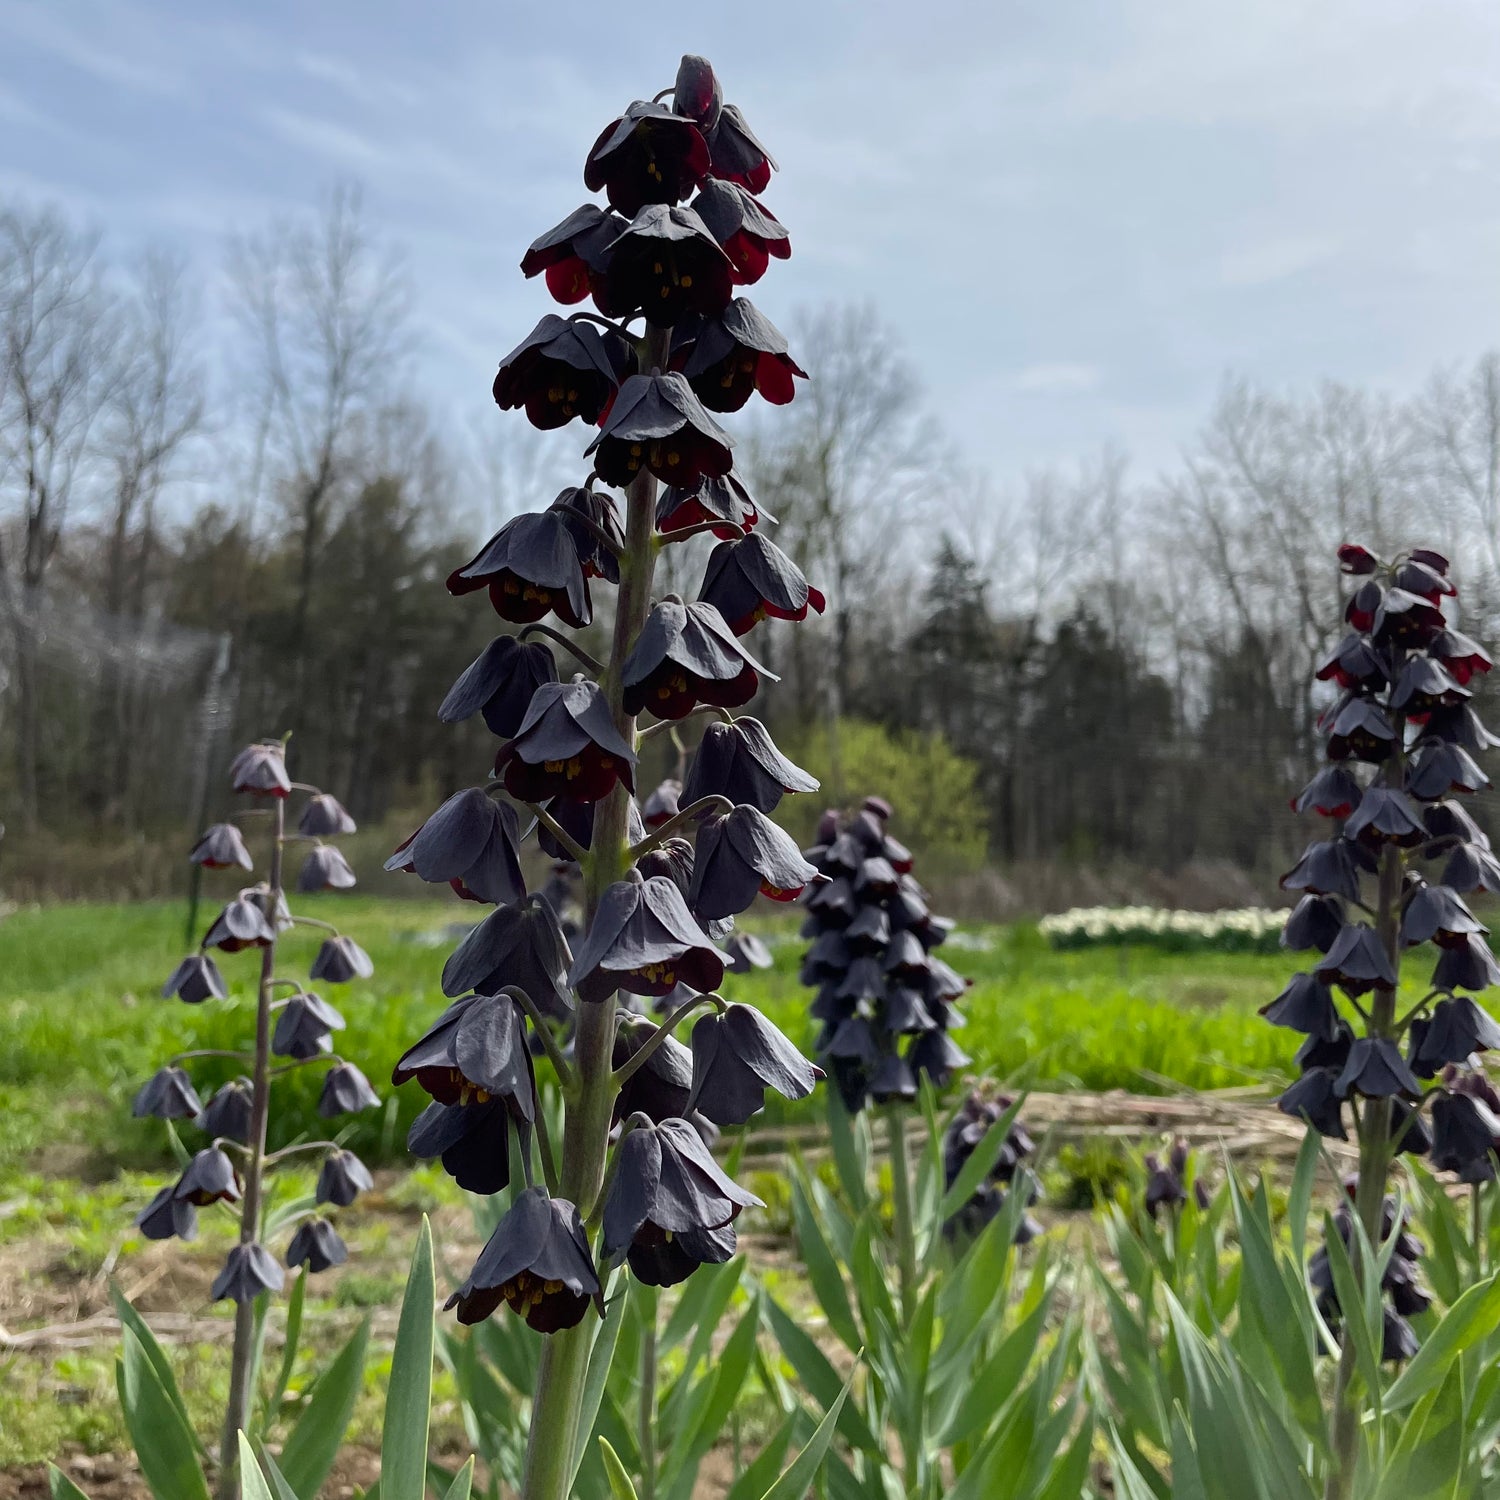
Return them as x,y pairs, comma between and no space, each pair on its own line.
82,1024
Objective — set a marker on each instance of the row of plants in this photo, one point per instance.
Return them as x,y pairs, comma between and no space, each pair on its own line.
1248,929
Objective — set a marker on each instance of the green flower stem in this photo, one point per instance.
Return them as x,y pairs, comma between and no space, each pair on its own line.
248,1329
906,1241
556,1409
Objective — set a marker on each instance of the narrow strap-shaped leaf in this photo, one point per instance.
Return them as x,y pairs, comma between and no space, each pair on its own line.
131,1319
274,1477
601,1355
253,1484
62,1488
980,1162
294,1305
850,1155
164,1443
986,1393
818,1376
822,1269
313,1445
619,1481
795,1482
408,1401
463,1481
751,1485
1472,1318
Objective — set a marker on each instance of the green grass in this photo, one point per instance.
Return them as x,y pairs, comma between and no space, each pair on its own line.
83,1025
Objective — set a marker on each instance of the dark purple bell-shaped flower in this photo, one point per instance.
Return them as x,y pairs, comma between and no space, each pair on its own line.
737,1056
753,580
1386,815
208,1178
249,1271
317,1246
241,924
1314,923
1361,731
1465,1134
323,817
567,746
666,1184
1314,1098
340,960
530,566
734,153
686,655
476,1051
661,1087
1305,1005
739,761
1377,1070
1357,962
520,945
658,425
667,265
1439,769
195,980
472,842
696,93
1437,911
722,503
1456,1029
1466,963
221,848
537,1262
594,524
229,1112
742,854
643,939
573,255
261,770
649,154
735,355
1327,868
559,371
325,869
500,684
744,952
346,1091
167,1216
342,1178
892,1080
473,1141
304,1025
1333,792
167,1095
937,1056
749,232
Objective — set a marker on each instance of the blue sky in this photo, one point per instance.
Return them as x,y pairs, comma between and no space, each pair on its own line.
1077,216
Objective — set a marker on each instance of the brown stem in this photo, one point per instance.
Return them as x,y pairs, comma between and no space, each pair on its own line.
557,1405
244,1359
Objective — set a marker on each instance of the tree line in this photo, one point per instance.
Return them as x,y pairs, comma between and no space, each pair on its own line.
230,515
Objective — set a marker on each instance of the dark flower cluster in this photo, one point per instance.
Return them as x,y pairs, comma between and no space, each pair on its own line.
978,1114
1402,1294
292,1023
885,1001
1171,1179
1401,857
663,880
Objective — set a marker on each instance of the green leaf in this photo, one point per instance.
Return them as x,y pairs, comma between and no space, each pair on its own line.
767,1465
797,1480
849,1151
725,1378
61,1487
408,1401
274,1476
310,1450
601,1355
1473,1317
131,1319
253,1484
289,1346
822,1269
983,1157
463,1482
619,1481
1299,1197
164,1443
996,1378
1355,1323
819,1377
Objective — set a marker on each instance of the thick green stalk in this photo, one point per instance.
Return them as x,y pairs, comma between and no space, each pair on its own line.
1374,1166
556,1408
247,1332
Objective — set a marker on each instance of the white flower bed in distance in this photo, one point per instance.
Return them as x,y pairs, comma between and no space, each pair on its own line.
1250,929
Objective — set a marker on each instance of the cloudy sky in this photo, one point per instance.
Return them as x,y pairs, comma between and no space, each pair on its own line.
1078,215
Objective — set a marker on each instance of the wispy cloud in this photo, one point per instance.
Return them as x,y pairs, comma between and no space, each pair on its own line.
1276,259
1058,379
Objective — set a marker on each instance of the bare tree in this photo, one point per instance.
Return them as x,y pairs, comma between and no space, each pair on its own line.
325,310
58,339
155,411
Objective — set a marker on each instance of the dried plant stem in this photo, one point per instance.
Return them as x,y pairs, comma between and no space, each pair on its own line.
248,1329
556,1408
